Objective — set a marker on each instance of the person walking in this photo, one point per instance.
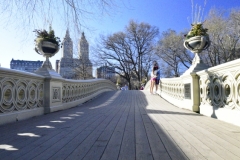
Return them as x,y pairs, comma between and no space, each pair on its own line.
126,87
153,75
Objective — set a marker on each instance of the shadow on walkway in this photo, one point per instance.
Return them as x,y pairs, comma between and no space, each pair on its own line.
115,125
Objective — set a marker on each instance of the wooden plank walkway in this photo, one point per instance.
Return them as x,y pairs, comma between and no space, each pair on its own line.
120,125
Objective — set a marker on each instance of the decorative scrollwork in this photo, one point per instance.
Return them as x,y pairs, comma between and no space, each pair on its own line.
217,92
20,94
228,94
173,89
8,95
77,90
221,90
237,90
40,94
32,94
56,97
208,92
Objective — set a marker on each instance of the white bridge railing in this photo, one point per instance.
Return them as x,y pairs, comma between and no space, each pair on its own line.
24,95
173,88
20,91
213,92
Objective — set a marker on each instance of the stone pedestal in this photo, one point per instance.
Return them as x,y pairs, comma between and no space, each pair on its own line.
197,65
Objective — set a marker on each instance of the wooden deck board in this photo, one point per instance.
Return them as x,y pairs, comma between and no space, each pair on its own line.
83,148
143,150
113,147
214,142
157,147
125,125
128,146
100,145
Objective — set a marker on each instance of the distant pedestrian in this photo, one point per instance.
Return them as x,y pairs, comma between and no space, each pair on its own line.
153,75
126,87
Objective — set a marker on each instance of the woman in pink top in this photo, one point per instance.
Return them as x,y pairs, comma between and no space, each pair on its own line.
153,75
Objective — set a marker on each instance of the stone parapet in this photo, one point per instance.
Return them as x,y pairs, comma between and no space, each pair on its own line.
24,95
220,92
214,92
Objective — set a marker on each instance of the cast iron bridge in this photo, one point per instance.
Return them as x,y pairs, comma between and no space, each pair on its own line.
120,125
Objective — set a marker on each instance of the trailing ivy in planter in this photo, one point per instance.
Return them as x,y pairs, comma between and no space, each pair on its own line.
197,38
46,42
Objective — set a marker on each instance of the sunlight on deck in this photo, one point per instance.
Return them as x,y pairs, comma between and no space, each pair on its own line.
45,127
74,115
66,118
7,147
57,121
28,134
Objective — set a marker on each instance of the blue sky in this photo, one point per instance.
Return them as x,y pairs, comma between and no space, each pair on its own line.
165,14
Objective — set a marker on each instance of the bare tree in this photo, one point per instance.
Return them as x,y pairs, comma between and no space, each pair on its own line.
34,13
115,51
171,51
142,36
83,69
224,35
128,51
147,61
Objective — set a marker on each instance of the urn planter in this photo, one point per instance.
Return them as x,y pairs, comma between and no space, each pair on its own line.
197,43
47,49
46,44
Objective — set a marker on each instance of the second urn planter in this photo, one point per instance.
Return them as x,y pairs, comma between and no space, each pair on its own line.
46,44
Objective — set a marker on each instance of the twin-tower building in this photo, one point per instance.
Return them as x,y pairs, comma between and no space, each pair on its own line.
74,68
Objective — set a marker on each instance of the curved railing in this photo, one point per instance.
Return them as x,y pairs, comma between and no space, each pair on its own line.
24,95
77,89
213,92
172,87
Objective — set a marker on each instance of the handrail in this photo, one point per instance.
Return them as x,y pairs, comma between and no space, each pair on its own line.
24,95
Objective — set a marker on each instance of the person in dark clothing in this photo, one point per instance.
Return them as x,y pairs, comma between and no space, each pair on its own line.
157,80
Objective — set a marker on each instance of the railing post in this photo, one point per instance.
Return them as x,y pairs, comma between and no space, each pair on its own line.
195,92
46,97
191,91
52,89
